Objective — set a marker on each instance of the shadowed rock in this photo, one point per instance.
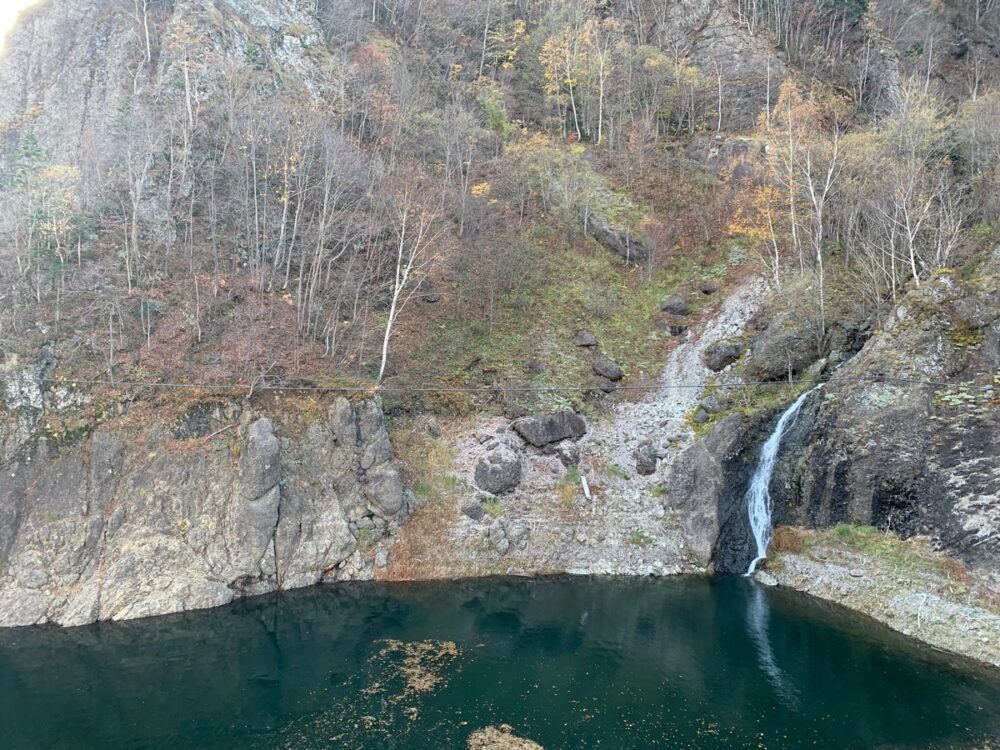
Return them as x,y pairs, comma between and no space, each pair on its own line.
542,429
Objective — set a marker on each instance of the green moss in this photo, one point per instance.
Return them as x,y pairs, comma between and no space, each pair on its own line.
966,336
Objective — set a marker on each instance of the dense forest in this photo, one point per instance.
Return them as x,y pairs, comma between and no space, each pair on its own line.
442,192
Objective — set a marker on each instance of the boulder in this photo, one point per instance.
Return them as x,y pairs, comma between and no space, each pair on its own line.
720,354
716,403
607,386
677,330
499,470
607,368
786,346
585,338
675,305
646,458
384,491
542,429
497,536
708,287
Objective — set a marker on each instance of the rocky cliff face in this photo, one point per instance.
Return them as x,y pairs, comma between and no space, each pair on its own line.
225,503
904,436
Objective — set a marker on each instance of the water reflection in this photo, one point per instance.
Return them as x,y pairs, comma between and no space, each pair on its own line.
570,663
758,618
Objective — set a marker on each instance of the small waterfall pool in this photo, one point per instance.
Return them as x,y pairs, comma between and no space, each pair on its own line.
571,663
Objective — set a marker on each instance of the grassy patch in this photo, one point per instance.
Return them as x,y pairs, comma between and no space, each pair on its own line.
617,471
528,340
640,539
493,507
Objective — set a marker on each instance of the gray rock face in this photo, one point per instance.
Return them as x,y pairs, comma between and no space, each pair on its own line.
543,429
499,470
902,456
719,355
675,305
123,525
697,481
608,369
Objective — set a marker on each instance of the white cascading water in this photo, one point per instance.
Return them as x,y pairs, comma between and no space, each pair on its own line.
759,493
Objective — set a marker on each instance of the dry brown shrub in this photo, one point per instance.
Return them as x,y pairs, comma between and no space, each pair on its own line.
788,539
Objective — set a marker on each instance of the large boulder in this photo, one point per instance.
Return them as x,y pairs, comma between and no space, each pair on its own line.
675,305
543,429
786,347
499,470
720,354
608,368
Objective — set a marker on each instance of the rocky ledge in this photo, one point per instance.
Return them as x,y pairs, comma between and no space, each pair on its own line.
903,584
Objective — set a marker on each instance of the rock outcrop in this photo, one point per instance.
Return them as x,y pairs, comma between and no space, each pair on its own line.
541,430
905,436
125,524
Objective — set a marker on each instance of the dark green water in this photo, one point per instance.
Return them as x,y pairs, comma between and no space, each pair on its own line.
570,663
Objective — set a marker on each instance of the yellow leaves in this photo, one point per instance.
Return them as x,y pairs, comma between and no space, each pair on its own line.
480,189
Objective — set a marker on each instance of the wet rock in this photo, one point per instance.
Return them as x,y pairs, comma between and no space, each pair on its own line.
720,354
676,305
646,458
499,470
543,429
585,338
764,578
608,369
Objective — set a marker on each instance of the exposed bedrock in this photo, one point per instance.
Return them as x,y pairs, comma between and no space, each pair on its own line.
905,436
124,524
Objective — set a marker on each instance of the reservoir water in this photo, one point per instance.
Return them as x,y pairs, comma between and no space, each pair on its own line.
571,663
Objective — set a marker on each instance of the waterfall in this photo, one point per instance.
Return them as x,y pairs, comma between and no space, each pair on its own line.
759,494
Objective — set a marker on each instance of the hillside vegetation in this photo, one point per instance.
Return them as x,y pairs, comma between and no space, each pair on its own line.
443,193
